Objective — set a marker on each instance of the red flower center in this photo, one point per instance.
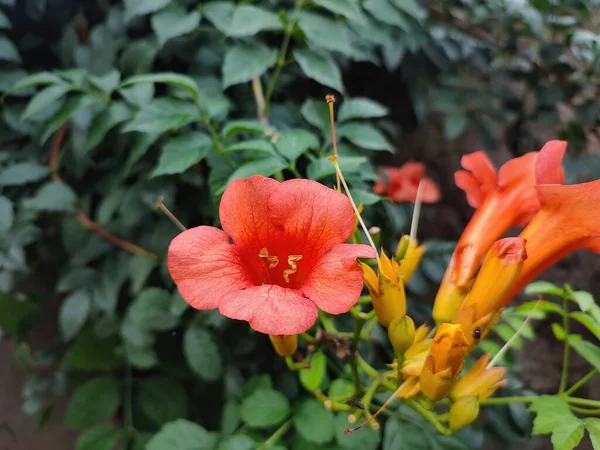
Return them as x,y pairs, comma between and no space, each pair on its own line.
276,272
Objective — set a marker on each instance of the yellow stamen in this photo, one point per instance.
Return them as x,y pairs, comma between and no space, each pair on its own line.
273,260
292,259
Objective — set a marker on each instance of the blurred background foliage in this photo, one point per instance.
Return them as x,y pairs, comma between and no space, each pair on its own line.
108,105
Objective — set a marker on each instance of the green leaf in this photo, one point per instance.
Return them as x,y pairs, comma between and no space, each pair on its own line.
230,417
52,197
44,98
116,113
244,62
64,114
23,173
140,144
265,167
589,352
567,435
13,311
4,22
99,437
92,402
8,51
36,79
138,94
108,82
385,12
247,20
312,377
410,7
181,434
550,412
326,33
350,9
361,108
172,23
592,426
170,78
162,399
366,198
588,321
239,442
163,114
252,145
150,310
202,353
364,439
403,436
455,125
320,67
316,112
6,214
92,352
293,143
323,167
136,8
236,127
182,152
220,14
139,269
585,300
265,408
74,313
365,136
314,422
543,287
340,387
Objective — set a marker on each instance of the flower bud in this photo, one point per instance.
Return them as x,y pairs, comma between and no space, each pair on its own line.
284,345
479,381
463,412
448,298
444,361
411,260
401,332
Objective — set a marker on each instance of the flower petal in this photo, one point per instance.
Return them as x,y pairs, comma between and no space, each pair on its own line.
336,281
519,171
205,267
271,309
310,216
482,169
243,211
431,192
469,184
548,168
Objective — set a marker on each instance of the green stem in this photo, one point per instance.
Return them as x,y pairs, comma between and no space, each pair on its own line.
287,36
292,168
584,410
358,324
507,400
327,322
565,366
429,415
274,438
581,382
373,373
583,401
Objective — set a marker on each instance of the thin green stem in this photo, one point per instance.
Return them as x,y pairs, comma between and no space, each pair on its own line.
581,382
582,401
586,411
327,322
292,168
507,400
285,43
565,366
358,324
429,415
276,436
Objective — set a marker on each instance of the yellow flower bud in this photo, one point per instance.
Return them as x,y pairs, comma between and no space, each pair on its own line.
409,388
411,260
448,298
444,361
386,290
463,412
479,381
284,345
401,332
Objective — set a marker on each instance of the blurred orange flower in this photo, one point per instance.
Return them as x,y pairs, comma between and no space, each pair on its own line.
401,183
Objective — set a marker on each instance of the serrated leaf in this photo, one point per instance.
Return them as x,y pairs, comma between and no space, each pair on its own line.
293,143
202,353
567,435
181,434
265,408
99,437
163,114
93,402
592,426
74,313
589,352
550,412
248,20
172,23
115,114
385,12
182,152
52,197
8,51
361,108
312,377
320,67
23,173
44,98
365,136
244,62
314,422
136,8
